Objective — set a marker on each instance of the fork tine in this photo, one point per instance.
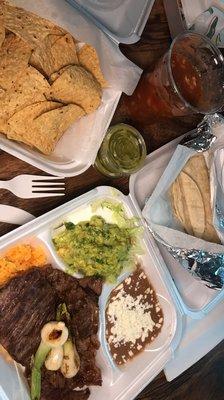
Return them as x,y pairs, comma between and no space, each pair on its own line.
47,189
38,184
36,195
46,178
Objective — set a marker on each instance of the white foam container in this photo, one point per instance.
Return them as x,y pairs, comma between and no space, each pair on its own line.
118,383
123,21
196,299
93,23
193,8
181,14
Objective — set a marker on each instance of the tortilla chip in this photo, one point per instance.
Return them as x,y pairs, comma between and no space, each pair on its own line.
189,204
47,122
32,50
52,125
28,26
14,57
89,60
63,52
75,85
20,122
3,126
54,53
28,88
2,33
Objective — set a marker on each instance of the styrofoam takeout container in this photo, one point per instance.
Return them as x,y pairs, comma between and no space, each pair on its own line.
196,299
78,147
118,383
181,14
183,339
123,21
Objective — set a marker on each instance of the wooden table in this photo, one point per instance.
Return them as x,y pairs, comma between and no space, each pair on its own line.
205,380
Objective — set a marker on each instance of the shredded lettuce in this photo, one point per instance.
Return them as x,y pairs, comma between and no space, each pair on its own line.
100,248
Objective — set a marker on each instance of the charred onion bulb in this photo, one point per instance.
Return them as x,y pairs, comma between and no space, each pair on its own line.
54,359
54,334
71,361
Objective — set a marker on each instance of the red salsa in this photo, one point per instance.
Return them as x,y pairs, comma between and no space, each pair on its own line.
155,94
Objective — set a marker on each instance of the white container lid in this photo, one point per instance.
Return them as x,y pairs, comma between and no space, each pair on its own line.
123,21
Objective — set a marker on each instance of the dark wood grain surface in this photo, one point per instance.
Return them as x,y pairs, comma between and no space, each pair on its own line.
205,380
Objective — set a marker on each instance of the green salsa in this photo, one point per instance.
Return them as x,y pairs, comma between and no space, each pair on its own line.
95,247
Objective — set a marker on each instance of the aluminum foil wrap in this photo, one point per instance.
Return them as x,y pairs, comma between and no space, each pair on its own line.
205,264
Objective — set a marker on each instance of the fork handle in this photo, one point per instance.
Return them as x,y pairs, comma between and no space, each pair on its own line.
4,185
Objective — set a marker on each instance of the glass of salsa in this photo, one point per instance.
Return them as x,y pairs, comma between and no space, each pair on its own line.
188,79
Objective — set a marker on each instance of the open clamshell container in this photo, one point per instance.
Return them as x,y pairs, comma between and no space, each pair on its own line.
195,298
119,383
182,298
103,24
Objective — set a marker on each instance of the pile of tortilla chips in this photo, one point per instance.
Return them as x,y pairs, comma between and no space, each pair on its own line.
190,198
47,79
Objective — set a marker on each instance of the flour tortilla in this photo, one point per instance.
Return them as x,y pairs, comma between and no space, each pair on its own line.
189,206
197,169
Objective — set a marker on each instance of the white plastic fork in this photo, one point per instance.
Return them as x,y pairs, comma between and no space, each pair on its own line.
34,186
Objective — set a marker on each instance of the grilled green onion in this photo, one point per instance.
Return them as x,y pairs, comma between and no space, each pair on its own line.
39,359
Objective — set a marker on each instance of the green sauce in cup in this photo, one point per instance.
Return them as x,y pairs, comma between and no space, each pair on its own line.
122,152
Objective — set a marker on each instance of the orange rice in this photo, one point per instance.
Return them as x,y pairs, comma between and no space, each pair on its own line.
20,258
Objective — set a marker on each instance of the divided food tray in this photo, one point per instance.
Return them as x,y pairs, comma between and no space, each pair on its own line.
196,299
118,383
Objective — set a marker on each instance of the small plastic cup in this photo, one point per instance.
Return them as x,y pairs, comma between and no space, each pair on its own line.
122,152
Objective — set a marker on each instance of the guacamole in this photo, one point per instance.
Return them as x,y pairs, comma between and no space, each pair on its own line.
95,247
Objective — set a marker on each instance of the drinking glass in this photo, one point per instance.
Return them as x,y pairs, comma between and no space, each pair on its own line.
188,79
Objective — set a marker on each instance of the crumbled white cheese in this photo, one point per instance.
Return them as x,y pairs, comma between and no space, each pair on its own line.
130,318
128,281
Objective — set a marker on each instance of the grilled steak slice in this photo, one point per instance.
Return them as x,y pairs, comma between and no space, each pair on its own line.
52,393
82,304
30,300
27,302
93,284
